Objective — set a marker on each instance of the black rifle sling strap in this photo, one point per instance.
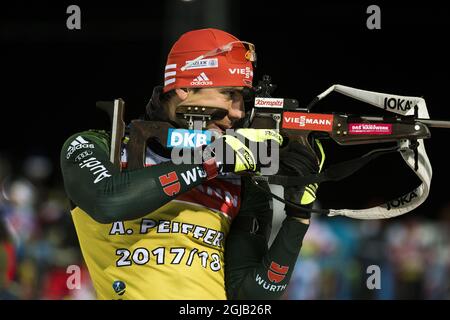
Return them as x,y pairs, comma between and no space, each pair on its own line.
335,172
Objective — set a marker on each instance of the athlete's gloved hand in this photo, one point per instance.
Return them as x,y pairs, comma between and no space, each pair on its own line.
298,160
239,153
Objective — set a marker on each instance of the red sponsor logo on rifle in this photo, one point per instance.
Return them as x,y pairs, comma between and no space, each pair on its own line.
307,121
170,183
277,273
370,128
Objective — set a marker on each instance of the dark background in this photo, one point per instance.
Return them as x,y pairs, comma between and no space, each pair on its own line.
53,76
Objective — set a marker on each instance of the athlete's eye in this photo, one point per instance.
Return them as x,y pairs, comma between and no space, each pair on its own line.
229,94
232,94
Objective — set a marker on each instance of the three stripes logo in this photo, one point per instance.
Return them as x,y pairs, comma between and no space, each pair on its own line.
277,273
170,73
201,80
77,144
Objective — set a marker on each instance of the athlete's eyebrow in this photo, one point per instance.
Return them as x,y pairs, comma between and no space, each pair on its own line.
231,88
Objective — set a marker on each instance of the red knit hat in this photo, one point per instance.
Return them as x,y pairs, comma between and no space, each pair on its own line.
209,58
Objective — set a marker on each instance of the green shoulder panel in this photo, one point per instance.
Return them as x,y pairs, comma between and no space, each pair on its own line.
101,139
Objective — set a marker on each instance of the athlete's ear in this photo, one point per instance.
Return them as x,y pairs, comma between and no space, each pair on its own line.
182,93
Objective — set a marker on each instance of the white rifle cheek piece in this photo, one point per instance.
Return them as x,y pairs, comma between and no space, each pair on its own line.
410,200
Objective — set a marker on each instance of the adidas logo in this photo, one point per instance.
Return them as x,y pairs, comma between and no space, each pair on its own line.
78,143
201,80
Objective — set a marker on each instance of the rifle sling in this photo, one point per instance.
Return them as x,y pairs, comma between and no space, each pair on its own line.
335,172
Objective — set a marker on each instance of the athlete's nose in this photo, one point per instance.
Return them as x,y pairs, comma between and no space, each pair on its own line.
235,113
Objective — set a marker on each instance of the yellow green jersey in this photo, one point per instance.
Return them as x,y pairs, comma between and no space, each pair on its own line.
165,231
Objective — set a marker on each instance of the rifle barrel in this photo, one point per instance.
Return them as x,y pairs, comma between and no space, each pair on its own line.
428,122
435,123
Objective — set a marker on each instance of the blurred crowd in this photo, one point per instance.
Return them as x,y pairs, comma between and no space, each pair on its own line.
38,242
38,246
411,255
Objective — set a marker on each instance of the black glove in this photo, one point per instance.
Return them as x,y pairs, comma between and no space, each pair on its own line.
298,160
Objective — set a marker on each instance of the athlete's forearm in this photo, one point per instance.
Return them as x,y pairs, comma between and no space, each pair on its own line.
266,275
130,195
108,195
252,271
